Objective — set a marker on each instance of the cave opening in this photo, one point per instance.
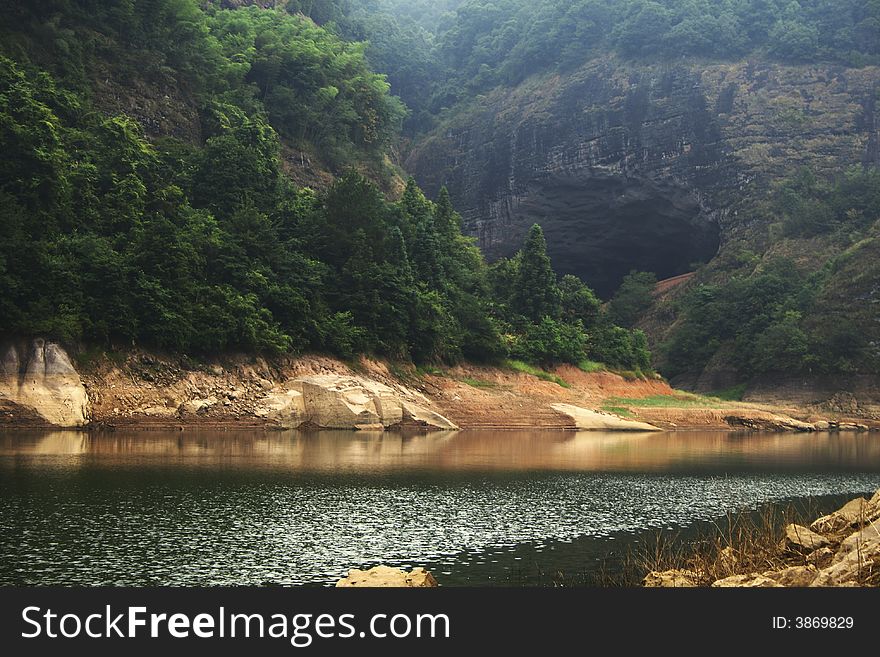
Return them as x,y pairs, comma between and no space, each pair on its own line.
601,228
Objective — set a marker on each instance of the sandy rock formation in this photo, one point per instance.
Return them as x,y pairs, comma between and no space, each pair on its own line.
386,576
284,408
857,559
670,579
418,416
41,378
763,421
752,580
332,401
347,402
587,420
845,551
800,539
851,514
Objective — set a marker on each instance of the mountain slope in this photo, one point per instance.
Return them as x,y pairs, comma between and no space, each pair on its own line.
667,167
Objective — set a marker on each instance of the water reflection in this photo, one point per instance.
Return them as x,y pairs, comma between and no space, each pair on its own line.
454,451
226,508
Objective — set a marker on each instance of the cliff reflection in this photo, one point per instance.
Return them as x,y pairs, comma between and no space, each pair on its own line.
329,451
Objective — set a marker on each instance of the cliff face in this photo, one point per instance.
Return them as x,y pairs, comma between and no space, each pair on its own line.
39,385
643,166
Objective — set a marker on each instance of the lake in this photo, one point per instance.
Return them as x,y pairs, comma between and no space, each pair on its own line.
476,508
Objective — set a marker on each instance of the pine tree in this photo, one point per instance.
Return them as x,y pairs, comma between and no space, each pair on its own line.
414,202
426,255
447,220
536,294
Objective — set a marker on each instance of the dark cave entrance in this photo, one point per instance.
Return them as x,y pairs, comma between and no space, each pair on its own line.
601,228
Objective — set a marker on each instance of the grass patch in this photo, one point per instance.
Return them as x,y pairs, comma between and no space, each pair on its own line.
478,383
430,370
618,410
404,372
590,366
631,375
734,393
525,368
88,358
678,400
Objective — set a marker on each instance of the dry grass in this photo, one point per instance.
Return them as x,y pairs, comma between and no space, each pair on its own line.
741,543
738,544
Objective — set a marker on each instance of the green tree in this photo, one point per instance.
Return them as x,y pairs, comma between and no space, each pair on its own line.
536,294
633,298
579,303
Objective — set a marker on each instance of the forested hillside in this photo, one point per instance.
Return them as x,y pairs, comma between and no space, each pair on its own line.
735,140
439,53
143,199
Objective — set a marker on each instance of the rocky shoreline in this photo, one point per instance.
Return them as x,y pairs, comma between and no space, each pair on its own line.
42,385
839,549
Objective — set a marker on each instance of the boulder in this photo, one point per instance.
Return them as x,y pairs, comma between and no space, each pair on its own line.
800,539
41,378
197,406
386,576
587,420
821,557
415,415
855,512
752,580
671,579
284,408
763,421
795,576
159,411
866,542
857,558
346,402
332,401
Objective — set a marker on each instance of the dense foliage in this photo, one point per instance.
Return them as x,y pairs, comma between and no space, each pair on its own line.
314,88
776,315
440,52
633,298
548,321
111,238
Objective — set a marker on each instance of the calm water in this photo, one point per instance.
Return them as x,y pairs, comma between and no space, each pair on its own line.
290,508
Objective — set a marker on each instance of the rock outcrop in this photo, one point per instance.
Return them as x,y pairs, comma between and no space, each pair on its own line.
671,579
143,389
751,580
639,166
857,559
853,513
385,576
38,384
763,421
843,551
587,420
800,539
334,401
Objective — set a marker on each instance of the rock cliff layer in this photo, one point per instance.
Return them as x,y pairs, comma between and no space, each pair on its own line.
642,166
